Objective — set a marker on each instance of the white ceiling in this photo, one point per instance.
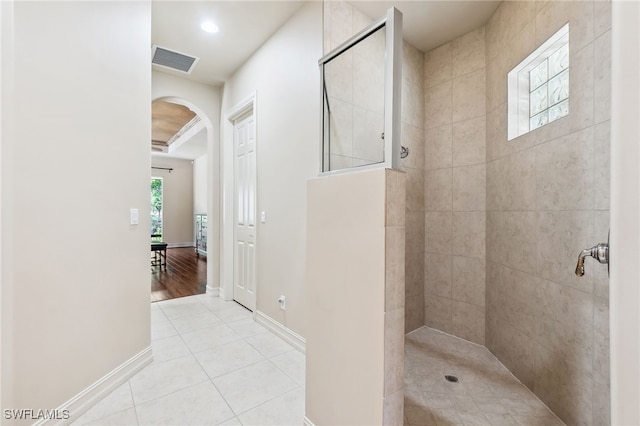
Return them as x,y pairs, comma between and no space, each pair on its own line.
246,25
429,24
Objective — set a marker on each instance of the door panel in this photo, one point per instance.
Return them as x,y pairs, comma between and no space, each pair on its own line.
245,212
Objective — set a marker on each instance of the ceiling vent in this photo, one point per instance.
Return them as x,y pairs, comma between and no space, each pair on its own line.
173,60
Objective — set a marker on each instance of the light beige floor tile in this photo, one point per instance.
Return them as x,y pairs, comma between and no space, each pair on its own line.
419,416
182,308
234,313
486,394
211,337
118,400
251,386
548,420
232,422
269,344
162,329
122,418
169,348
292,363
201,404
227,358
162,378
247,327
195,322
284,410
501,420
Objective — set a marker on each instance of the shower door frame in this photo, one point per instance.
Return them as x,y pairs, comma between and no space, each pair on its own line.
392,21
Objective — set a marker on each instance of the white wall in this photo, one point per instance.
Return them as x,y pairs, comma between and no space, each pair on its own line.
74,161
200,185
205,100
355,298
5,311
284,74
177,200
625,215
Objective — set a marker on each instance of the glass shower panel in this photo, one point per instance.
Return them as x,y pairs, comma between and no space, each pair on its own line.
353,98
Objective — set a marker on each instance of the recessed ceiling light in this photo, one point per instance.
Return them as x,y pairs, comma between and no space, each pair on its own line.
209,27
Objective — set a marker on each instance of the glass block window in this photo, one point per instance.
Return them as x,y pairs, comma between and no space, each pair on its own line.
538,87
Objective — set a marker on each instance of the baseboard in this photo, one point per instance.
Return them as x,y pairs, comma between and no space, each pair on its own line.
286,334
222,294
82,402
177,245
307,422
213,291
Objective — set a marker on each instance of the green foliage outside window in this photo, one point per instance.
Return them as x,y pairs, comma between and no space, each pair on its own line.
156,206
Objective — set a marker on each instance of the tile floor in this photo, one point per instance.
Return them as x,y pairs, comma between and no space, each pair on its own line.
213,365
486,393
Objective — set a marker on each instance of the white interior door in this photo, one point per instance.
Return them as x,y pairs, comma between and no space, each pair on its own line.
244,277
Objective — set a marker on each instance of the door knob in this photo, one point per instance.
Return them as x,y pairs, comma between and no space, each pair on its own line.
599,252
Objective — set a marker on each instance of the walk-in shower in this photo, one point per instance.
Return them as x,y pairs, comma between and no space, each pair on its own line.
493,224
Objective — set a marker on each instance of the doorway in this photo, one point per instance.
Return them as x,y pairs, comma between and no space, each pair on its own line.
181,137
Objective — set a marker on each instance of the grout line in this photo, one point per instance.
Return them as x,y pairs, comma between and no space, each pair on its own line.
270,400
135,408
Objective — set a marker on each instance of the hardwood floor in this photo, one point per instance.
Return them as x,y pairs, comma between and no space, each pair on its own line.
185,275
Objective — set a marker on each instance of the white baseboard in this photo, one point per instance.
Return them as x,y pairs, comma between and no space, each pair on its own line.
286,334
307,422
223,296
213,291
176,245
89,397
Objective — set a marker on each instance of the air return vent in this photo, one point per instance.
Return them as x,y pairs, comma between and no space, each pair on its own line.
171,59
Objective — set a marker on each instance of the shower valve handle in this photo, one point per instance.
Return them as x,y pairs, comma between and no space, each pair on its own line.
599,252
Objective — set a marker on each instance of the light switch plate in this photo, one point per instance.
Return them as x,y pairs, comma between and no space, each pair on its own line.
263,217
133,217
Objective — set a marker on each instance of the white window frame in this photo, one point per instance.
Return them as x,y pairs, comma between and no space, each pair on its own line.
518,88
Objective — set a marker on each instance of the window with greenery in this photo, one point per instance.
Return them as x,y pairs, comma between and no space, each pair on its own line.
156,207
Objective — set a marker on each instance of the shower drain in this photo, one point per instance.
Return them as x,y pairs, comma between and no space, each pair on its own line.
452,379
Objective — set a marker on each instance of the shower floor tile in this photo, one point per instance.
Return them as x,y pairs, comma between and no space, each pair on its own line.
486,392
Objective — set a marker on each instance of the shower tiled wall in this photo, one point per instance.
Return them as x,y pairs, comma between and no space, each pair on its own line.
454,186
547,199
413,165
341,21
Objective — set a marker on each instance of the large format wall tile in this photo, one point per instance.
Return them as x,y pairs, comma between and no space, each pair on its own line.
561,235
437,312
438,232
581,88
438,105
468,188
455,185
511,182
511,239
468,234
437,66
468,142
547,199
564,172
468,280
438,195
467,53
467,321
438,147
602,77
468,92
